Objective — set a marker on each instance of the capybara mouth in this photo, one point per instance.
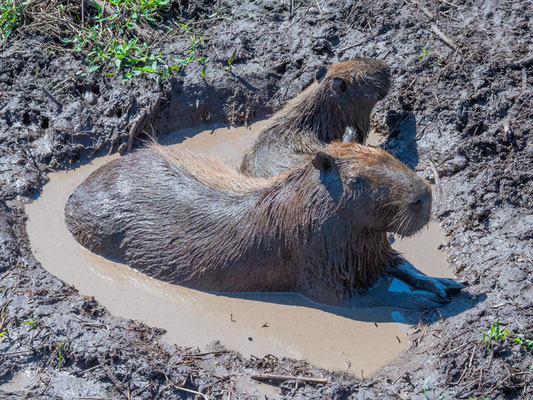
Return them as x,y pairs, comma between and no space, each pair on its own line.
410,223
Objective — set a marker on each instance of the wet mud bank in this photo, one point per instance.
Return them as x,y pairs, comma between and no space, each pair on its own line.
463,70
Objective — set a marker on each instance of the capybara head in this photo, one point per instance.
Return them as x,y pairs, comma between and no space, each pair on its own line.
374,190
349,90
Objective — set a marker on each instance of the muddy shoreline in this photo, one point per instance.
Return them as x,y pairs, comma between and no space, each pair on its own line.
468,84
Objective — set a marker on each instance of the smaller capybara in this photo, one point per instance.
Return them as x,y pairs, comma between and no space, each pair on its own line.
341,98
319,229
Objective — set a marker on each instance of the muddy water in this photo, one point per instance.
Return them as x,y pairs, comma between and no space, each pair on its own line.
283,324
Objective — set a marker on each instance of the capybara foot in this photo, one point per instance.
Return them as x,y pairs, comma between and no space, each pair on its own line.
442,287
416,300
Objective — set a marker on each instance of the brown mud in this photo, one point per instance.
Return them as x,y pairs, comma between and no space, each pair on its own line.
461,70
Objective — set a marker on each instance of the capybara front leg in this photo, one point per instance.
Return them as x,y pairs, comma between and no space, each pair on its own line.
442,287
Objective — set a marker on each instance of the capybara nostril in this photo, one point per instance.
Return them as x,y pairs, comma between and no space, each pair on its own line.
418,204
422,199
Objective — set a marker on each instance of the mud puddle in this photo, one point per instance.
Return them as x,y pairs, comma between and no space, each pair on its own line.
282,324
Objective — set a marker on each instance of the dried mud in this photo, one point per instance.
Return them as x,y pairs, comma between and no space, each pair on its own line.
462,71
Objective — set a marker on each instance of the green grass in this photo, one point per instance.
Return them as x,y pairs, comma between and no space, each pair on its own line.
527,343
499,334
138,10
117,36
230,61
112,45
424,388
11,16
29,322
425,53
495,334
193,56
62,349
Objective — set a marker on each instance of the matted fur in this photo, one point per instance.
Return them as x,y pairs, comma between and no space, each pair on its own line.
319,229
342,98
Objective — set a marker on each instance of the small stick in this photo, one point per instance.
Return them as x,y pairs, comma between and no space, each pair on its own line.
525,62
49,95
452,350
13,353
435,29
191,391
472,356
501,304
82,12
92,398
425,10
318,6
86,370
216,353
437,178
133,130
350,47
283,378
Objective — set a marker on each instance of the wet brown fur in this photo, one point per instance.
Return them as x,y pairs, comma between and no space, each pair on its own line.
319,229
341,98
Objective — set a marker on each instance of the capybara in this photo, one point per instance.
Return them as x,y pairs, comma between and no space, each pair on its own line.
341,97
319,229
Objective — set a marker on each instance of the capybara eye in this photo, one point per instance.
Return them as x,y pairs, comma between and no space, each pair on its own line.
339,85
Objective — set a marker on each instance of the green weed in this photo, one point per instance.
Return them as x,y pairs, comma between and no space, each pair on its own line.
425,53
527,343
498,333
139,10
11,16
110,43
5,332
129,57
62,349
30,322
193,57
230,61
185,26
425,390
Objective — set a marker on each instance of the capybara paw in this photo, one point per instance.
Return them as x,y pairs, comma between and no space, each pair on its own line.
420,300
442,287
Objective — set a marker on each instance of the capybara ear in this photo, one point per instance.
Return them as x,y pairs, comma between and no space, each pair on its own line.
321,73
324,161
339,85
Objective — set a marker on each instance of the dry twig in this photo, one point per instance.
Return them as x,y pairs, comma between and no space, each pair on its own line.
283,378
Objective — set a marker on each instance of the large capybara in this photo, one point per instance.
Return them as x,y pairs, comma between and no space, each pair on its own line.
341,97
319,229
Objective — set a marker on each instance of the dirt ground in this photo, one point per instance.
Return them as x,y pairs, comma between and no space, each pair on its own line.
462,69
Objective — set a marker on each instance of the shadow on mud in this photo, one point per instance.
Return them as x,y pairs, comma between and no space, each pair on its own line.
401,141
374,305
